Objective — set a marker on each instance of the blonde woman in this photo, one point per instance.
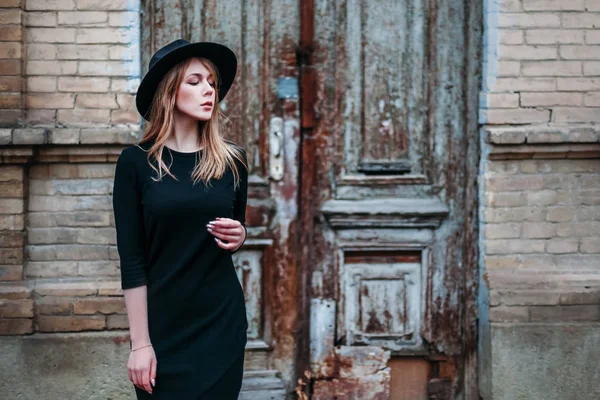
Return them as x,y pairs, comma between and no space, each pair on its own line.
179,201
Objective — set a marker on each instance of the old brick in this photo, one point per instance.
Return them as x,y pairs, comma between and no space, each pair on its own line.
542,197
539,230
552,68
40,19
49,269
29,136
82,18
580,20
533,99
11,173
502,100
124,117
11,256
579,52
41,51
526,84
10,67
96,136
527,52
580,296
511,36
509,314
561,246
124,18
82,51
104,305
512,246
12,222
99,268
53,305
51,35
550,5
590,245
66,289
10,83
10,100
104,35
50,100
506,199
63,136
528,20
501,231
11,32
83,84
16,326
11,239
13,291
578,84
108,68
96,101
47,323
39,117
553,36
504,116
51,67
42,84
592,99
67,252
10,17
124,85
83,117
50,5
22,308
5,136
11,206
10,50
525,297
80,218
68,235
509,68
117,321
592,37
564,313
561,214
575,114
110,288
113,5
10,272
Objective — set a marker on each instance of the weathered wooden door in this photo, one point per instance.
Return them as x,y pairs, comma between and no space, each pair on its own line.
359,118
263,109
389,195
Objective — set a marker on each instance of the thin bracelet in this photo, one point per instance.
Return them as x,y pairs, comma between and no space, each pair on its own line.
139,348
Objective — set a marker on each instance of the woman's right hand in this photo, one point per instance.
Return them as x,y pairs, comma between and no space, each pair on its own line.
142,368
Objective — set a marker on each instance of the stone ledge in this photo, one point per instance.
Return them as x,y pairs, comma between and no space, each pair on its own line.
91,135
59,153
542,134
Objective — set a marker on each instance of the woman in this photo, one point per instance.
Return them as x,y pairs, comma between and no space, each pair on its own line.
179,201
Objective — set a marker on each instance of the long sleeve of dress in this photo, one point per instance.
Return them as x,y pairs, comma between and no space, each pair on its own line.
241,199
129,224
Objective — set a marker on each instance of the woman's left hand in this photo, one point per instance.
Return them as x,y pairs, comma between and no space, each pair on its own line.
227,229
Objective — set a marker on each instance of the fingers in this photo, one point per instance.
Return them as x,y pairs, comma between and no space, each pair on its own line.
153,372
226,246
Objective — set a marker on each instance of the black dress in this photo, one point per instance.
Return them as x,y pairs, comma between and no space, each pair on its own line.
196,310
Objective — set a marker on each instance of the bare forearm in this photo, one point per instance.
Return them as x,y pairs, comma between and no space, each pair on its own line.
137,315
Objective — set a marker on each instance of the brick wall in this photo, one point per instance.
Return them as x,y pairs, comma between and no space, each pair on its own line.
543,62
69,70
539,197
11,64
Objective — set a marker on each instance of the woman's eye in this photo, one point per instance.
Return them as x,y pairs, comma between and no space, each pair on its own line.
194,83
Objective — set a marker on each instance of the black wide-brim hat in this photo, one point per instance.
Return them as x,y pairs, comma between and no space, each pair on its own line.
170,55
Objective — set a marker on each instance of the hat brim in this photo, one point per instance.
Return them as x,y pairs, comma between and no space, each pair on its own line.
222,56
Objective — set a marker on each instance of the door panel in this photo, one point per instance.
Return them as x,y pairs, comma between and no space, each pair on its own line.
393,234
263,35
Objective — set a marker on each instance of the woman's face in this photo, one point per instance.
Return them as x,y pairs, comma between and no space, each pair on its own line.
196,89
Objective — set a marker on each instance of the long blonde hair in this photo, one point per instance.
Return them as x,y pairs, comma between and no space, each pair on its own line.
218,153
